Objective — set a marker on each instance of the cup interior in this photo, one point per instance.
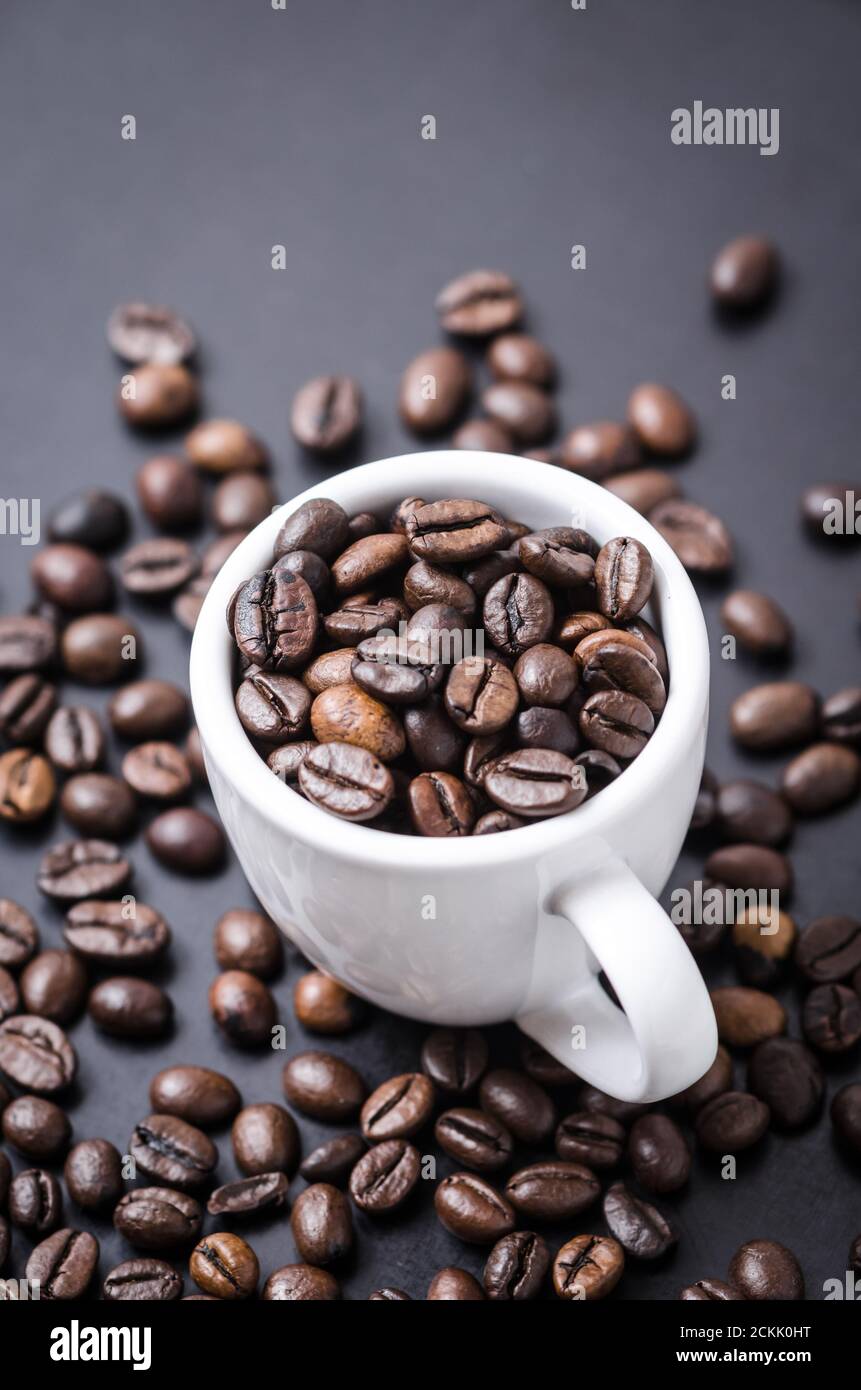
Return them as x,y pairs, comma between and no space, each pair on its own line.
524,490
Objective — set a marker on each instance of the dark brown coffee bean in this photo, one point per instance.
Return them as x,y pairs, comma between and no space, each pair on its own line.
831,1018
472,1210
246,940
600,1103
542,1066
434,741
662,421
354,621
35,1201
322,1005
301,1283
597,450
326,413
439,628
275,619
788,1078
640,1228
74,740
732,1121
265,1139
750,866
829,949
545,675
27,643
170,492
155,568
72,577
828,510
455,531
324,1086
482,575
249,1196
711,1291
623,578
758,623
157,1218
841,716
173,1152
10,999
364,562
617,723
454,1285
481,695
346,780
821,778
440,805
148,709
712,1083
659,1154
64,1264
426,583
455,1059
744,272
241,501
320,526
347,714
127,1007
273,707
224,1264
243,1007
746,1017
644,489
554,1190
516,1267
158,394
518,612
140,332
434,389
385,1176
224,446
399,1108
158,771
521,408
363,524
54,986
36,1054
775,715
196,1094
478,303
553,729
99,805
396,671
845,1115
19,936
518,357
92,518
151,1281
764,1269
614,665
699,538
112,933
588,1267
600,768
494,822
388,1295
322,1225
474,1139
486,435
26,706
100,648
186,840
94,1174
286,761
36,1127
27,786
750,812
519,1103
535,782
312,569
333,1160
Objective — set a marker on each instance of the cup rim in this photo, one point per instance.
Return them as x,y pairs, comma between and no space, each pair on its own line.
378,486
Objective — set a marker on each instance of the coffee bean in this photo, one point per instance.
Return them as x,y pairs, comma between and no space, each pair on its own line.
333,1160
243,1007
301,1283
346,714
472,1210
554,1190
425,583
712,1083
322,1225
324,1086
699,538
246,940
662,421
94,518
157,770
385,1176
434,742
518,357
821,778
440,805
155,568
399,1108
140,332
481,695
355,620
831,1018
845,1115
54,986
600,1103
35,1201
94,1174
841,716
592,1139
27,786
746,1017
552,729
732,1121
99,805
322,1005
455,531
640,1228
36,1127
64,1264
521,408
224,1264
519,1103
388,1295
272,707
10,1000
599,449
644,489
5,1241
365,561
133,1281
27,643
775,715
744,272
74,740
19,937
600,768
196,1094
765,1269
518,613
158,394
496,821
224,446
711,1291
749,866
362,524
588,1267
148,709
454,1285
186,840
788,1078
516,1267
829,949
759,624
26,706
319,525
176,1153
326,413
474,1139
545,675
535,782
455,1059
434,390
485,435
241,501
343,778
478,303
127,1007
72,577
750,812
618,665
394,671
36,1054
328,669
249,1196
617,723
108,933
265,1139
170,492
659,1154
763,942
100,648
623,578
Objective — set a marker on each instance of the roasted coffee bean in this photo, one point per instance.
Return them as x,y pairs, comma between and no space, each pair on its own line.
10,998
19,937
699,538
186,840
706,928
158,771
482,575
474,1139
265,1139
744,272
554,1190
757,622
496,821
617,723
272,707
187,605
845,1115
36,1054
440,628
746,1017
196,1094
399,1108
765,1269
224,446
27,643
440,805
333,1160
94,1174
535,782
158,394
112,933
712,1083
472,1210
644,489
545,675
312,569
600,768
5,1241
319,525
455,531
100,648
328,669
324,1086
241,501
140,332
518,357
454,1285
821,778
788,1078
748,811
26,706
346,714
74,740
356,620
224,1264
54,986
640,1228
27,786
388,1295
841,716
170,492
623,578
486,435
35,1201
519,1103
478,303
523,409
364,562
72,577
36,1127
455,1059
429,411
243,1007
763,942
176,1153
64,1264
152,1281
322,1224
434,741
600,1103
326,413
275,619
829,949
99,805
831,1018
385,1176
396,672
732,1121
750,866
481,695
362,524
662,421
217,551
301,1283
620,666
426,583
826,507
194,752
540,727
775,715
246,940
127,1007
94,518
659,1154
516,1266
346,779
711,1291
249,1196
322,1005
599,449
518,613
542,1066
588,1267
148,709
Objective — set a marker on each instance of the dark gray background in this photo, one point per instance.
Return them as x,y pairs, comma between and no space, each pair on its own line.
257,127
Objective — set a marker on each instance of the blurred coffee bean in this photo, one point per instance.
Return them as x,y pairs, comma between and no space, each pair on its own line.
246,940
749,866
831,1018
486,435
522,409
114,933
243,1008
94,518
54,986
821,778
153,569
186,840
158,394
27,786
759,624
148,709
744,272
841,716
662,421
828,511
26,705
644,489
775,715
241,501
699,538
72,577
326,413
74,740
750,812
845,1116
829,949
434,390
788,1078
170,492
99,805
79,869
597,450
224,446
140,332
478,303
746,1017
101,649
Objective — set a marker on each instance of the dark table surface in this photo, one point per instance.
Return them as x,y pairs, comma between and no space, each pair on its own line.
257,127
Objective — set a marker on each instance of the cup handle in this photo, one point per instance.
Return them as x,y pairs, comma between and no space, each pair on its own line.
667,1036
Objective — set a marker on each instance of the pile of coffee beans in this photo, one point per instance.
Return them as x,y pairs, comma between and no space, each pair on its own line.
448,671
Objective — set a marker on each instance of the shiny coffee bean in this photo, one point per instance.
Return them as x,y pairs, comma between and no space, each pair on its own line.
518,613
440,805
101,648
831,1018
472,1210
301,1283
758,623
346,714
620,666
346,780
224,1264
322,1225
775,715
744,272
72,577
326,413
246,940
597,450
170,492
148,709
275,619
519,1103
749,812
265,1139
93,1173
481,695
35,1201
398,1108
552,729
640,1228
519,357
151,1281
455,1059
243,1008
54,986
322,1005
841,716
522,408
249,1196
453,1285
26,705
535,782
545,675
617,723
36,1054
196,1094
662,421
821,778
765,1269
158,771
659,1154
325,1087
100,806
429,411
173,1152
385,1176
623,578
82,869
478,303
788,1078
128,1007
588,1268
732,1121
516,1267
27,786
455,531
186,840
333,1160
114,933
474,1139
364,562
36,1127
711,1291
750,866
554,1190
319,525
273,708
64,1264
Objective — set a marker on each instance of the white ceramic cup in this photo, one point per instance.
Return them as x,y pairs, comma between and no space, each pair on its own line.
508,926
